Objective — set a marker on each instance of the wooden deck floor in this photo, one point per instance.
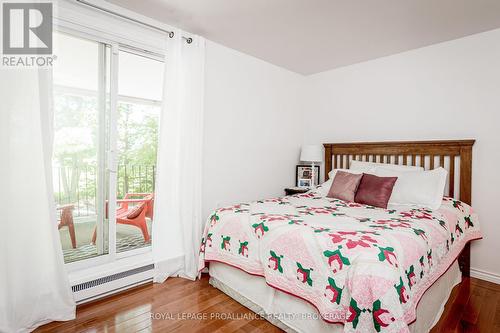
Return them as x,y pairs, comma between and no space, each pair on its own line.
474,306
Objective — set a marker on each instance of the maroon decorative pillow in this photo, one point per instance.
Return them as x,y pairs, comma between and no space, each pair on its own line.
344,186
374,190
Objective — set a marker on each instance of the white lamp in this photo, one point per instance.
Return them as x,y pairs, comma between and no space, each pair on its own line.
312,154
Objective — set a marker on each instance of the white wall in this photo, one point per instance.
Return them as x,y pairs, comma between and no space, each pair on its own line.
445,91
258,115
252,137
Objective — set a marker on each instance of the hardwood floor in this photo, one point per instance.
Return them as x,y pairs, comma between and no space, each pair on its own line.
474,306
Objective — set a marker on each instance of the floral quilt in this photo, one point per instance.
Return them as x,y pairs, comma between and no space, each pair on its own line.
358,265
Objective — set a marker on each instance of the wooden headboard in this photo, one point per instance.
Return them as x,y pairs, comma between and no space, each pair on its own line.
454,155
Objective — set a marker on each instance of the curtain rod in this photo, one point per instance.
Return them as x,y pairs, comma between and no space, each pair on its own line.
170,34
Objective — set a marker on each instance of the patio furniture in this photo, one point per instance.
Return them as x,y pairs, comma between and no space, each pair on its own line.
136,215
66,219
146,196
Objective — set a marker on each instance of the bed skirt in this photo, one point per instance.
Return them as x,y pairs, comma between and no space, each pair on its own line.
292,314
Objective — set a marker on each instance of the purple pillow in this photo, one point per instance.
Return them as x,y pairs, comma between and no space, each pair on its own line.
374,190
344,186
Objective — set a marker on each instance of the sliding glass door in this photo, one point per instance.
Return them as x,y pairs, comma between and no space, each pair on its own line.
139,101
81,108
106,110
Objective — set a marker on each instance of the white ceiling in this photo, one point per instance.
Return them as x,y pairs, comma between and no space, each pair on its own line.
310,36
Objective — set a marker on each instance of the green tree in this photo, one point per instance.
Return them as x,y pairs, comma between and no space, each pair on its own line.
137,146
77,140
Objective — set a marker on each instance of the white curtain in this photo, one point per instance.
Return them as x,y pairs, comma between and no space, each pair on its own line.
178,222
34,287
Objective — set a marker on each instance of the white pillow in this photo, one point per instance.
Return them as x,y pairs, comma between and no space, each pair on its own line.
332,173
324,188
422,189
370,167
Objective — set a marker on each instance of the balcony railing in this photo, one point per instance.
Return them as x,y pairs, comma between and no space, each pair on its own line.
78,185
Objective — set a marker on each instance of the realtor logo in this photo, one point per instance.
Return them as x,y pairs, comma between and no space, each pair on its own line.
27,28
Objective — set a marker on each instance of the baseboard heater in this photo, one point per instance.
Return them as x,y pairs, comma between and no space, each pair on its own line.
111,284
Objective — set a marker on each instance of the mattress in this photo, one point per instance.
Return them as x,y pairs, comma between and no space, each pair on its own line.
292,314
363,267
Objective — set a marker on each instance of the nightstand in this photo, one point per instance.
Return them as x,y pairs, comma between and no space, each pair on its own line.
295,190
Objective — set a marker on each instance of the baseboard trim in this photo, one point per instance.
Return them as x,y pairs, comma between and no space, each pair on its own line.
483,275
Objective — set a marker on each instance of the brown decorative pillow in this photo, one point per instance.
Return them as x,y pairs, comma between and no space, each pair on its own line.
344,186
136,211
375,191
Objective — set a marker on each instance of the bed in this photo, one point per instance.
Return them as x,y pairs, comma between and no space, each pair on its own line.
310,263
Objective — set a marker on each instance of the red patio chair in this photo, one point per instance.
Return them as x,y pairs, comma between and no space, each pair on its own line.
145,196
66,219
136,215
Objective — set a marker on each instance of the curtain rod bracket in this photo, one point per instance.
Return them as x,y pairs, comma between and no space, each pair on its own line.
171,34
